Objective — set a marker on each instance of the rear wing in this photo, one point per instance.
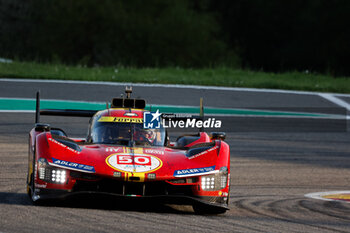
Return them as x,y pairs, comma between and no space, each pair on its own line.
59,112
116,102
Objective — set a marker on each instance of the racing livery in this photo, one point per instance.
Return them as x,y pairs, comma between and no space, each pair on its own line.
121,157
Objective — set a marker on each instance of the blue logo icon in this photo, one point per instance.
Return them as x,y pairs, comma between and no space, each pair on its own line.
151,120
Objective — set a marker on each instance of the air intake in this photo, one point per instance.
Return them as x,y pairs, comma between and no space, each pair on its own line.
128,103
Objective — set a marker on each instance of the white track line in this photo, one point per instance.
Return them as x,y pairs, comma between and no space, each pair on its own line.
335,100
167,86
324,116
328,96
330,117
17,111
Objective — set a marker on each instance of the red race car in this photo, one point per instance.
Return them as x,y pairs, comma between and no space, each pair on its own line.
122,157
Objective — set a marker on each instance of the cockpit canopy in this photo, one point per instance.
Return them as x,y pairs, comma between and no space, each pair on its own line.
128,133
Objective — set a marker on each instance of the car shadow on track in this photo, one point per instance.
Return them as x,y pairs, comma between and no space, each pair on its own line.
98,202
123,204
14,198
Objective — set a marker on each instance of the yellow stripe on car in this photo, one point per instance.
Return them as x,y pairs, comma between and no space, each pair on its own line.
120,119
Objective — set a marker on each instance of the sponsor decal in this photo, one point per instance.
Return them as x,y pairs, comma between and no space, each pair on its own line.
152,151
66,147
40,185
127,162
71,165
151,120
194,171
204,152
112,149
120,119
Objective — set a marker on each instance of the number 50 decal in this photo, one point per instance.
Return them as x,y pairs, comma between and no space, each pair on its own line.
134,163
138,160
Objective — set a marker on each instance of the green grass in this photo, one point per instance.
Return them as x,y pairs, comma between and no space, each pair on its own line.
214,77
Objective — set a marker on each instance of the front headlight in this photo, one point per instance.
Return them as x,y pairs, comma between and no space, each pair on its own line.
58,176
216,181
42,165
223,177
208,182
51,174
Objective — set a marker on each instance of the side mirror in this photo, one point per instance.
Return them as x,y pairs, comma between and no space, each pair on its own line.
218,136
58,132
42,127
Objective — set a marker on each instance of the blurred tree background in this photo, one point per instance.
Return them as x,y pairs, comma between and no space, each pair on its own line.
271,35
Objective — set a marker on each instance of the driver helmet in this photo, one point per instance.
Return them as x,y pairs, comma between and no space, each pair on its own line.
146,135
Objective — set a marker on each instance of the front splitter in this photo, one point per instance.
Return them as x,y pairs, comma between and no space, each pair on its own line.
47,194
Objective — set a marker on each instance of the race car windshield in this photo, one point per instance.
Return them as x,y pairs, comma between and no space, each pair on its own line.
124,133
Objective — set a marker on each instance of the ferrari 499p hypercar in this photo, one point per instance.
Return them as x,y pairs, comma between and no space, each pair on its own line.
122,158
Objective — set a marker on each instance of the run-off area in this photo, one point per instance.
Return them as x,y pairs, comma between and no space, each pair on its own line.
270,174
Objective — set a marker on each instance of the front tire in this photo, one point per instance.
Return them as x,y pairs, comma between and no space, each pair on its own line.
36,200
31,186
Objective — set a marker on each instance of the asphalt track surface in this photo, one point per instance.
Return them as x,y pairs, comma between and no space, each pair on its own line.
271,170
